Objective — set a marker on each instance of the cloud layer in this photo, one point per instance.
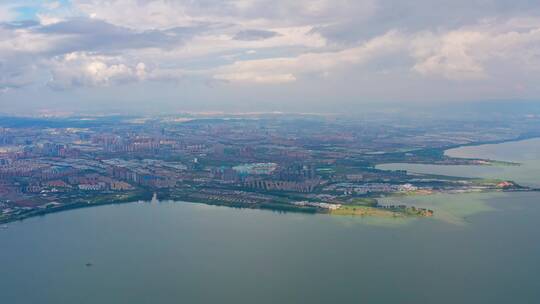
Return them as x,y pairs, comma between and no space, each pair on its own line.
68,45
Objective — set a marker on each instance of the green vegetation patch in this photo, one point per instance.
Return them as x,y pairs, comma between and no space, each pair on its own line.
359,210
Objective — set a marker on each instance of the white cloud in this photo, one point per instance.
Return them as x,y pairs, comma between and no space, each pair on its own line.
81,69
272,42
163,14
279,70
470,53
208,44
46,19
6,13
21,41
158,14
476,52
450,55
52,5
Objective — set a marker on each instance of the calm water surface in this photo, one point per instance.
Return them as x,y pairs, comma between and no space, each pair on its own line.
526,153
481,248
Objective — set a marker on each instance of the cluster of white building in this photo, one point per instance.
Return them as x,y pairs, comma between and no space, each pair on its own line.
352,188
318,205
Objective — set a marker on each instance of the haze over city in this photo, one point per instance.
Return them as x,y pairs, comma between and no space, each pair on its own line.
258,55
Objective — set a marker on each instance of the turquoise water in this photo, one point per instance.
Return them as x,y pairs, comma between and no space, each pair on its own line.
526,153
480,248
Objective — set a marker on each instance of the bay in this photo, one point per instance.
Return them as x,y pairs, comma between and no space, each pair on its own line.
479,248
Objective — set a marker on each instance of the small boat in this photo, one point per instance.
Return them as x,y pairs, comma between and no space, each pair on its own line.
89,264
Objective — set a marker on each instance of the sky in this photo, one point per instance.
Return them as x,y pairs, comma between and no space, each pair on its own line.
264,55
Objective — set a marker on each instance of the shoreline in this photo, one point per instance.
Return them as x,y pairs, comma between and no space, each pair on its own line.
346,210
494,142
352,210
443,156
369,211
72,206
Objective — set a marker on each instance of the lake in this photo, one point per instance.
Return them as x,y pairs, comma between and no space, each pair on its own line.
480,248
526,153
